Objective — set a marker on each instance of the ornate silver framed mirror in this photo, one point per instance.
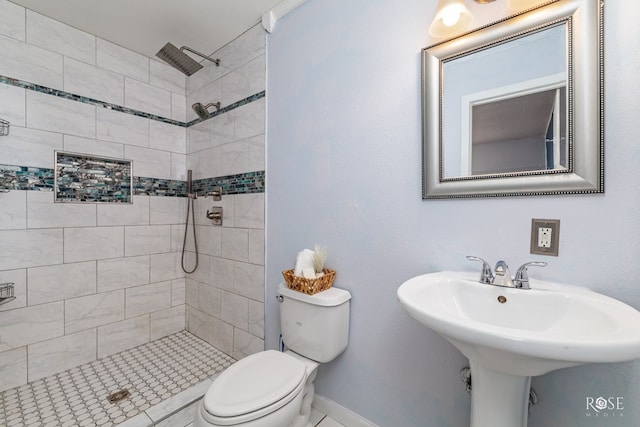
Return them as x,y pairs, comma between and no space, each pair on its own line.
516,107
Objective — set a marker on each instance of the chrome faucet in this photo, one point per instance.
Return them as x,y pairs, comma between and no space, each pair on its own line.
502,276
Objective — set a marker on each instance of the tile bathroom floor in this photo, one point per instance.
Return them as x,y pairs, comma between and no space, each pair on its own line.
164,370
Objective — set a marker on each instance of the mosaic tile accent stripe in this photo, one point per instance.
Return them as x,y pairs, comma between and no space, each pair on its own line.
244,183
151,373
91,179
230,107
42,179
87,100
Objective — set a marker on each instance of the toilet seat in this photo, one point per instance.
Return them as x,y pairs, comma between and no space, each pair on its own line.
254,387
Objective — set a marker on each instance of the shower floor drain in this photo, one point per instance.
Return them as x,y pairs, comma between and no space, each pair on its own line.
118,396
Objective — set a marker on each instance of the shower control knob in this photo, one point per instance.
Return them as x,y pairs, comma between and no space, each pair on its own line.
215,215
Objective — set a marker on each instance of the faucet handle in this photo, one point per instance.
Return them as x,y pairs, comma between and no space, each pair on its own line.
486,276
522,277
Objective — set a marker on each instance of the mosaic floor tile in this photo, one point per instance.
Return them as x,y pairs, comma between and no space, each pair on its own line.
150,373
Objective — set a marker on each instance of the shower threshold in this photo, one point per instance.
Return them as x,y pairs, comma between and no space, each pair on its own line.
155,384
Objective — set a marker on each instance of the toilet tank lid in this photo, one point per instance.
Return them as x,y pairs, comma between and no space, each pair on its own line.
328,298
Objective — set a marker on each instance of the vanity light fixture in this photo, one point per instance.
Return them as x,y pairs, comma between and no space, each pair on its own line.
521,4
452,17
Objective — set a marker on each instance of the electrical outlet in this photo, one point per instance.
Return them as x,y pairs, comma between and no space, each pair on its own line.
545,236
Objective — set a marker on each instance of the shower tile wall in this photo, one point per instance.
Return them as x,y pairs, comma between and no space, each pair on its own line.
225,296
90,280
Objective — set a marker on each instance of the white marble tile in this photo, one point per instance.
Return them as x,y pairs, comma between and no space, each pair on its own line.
214,331
42,212
13,368
61,115
149,163
122,335
12,20
167,210
178,107
257,74
222,129
210,300
256,318
256,247
205,163
30,248
235,244
178,291
202,272
59,282
145,299
93,310
13,210
140,420
177,237
235,85
166,322
61,38
119,273
120,127
191,292
234,158
59,354
147,98
88,80
209,238
30,147
178,167
198,137
136,213
210,93
12,104
143,240
211,72
167,137
165,266
235,310
90,243
30,63
249,210
29,325
190,397
166,77
257,151
251,44
222,271
245,344
248,280
76,144
116,58
250,119
19,280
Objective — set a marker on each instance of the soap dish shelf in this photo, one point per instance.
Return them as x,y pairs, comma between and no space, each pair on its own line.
4,127
6,292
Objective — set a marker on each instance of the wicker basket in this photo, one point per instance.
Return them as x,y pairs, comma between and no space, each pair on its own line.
309,286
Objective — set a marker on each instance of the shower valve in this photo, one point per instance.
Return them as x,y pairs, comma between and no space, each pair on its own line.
215,215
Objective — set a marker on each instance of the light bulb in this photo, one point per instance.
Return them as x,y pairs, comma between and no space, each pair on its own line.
451,19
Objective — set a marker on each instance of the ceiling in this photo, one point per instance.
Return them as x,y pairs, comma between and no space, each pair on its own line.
144,26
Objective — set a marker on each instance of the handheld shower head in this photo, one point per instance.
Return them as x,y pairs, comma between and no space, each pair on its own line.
203,110
180,60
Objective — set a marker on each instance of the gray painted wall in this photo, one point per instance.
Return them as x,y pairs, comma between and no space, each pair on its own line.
344,170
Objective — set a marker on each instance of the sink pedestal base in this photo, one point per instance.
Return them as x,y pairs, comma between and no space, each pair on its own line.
497,399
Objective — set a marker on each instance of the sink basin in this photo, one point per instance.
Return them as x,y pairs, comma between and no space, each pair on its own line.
512,334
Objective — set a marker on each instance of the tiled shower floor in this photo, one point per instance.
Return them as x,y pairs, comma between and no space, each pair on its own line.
151,373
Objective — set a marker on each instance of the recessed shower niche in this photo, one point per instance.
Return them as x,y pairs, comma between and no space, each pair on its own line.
82,178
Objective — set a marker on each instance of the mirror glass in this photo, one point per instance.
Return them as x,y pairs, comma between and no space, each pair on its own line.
497,122
515,107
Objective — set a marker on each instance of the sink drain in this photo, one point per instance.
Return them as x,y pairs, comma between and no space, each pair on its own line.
118,396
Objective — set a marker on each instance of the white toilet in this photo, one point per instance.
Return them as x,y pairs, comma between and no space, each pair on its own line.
274,389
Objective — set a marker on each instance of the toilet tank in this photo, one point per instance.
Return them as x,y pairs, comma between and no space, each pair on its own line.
315,326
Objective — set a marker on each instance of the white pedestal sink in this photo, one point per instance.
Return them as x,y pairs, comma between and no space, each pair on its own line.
510,335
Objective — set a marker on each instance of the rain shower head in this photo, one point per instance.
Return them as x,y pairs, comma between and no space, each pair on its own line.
180,60
203,110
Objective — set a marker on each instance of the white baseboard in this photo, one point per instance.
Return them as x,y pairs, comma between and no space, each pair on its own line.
339,413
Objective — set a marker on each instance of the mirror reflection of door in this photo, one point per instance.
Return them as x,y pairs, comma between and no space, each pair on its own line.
536,138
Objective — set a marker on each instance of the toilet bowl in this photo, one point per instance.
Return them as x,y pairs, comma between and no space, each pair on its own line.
272,388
